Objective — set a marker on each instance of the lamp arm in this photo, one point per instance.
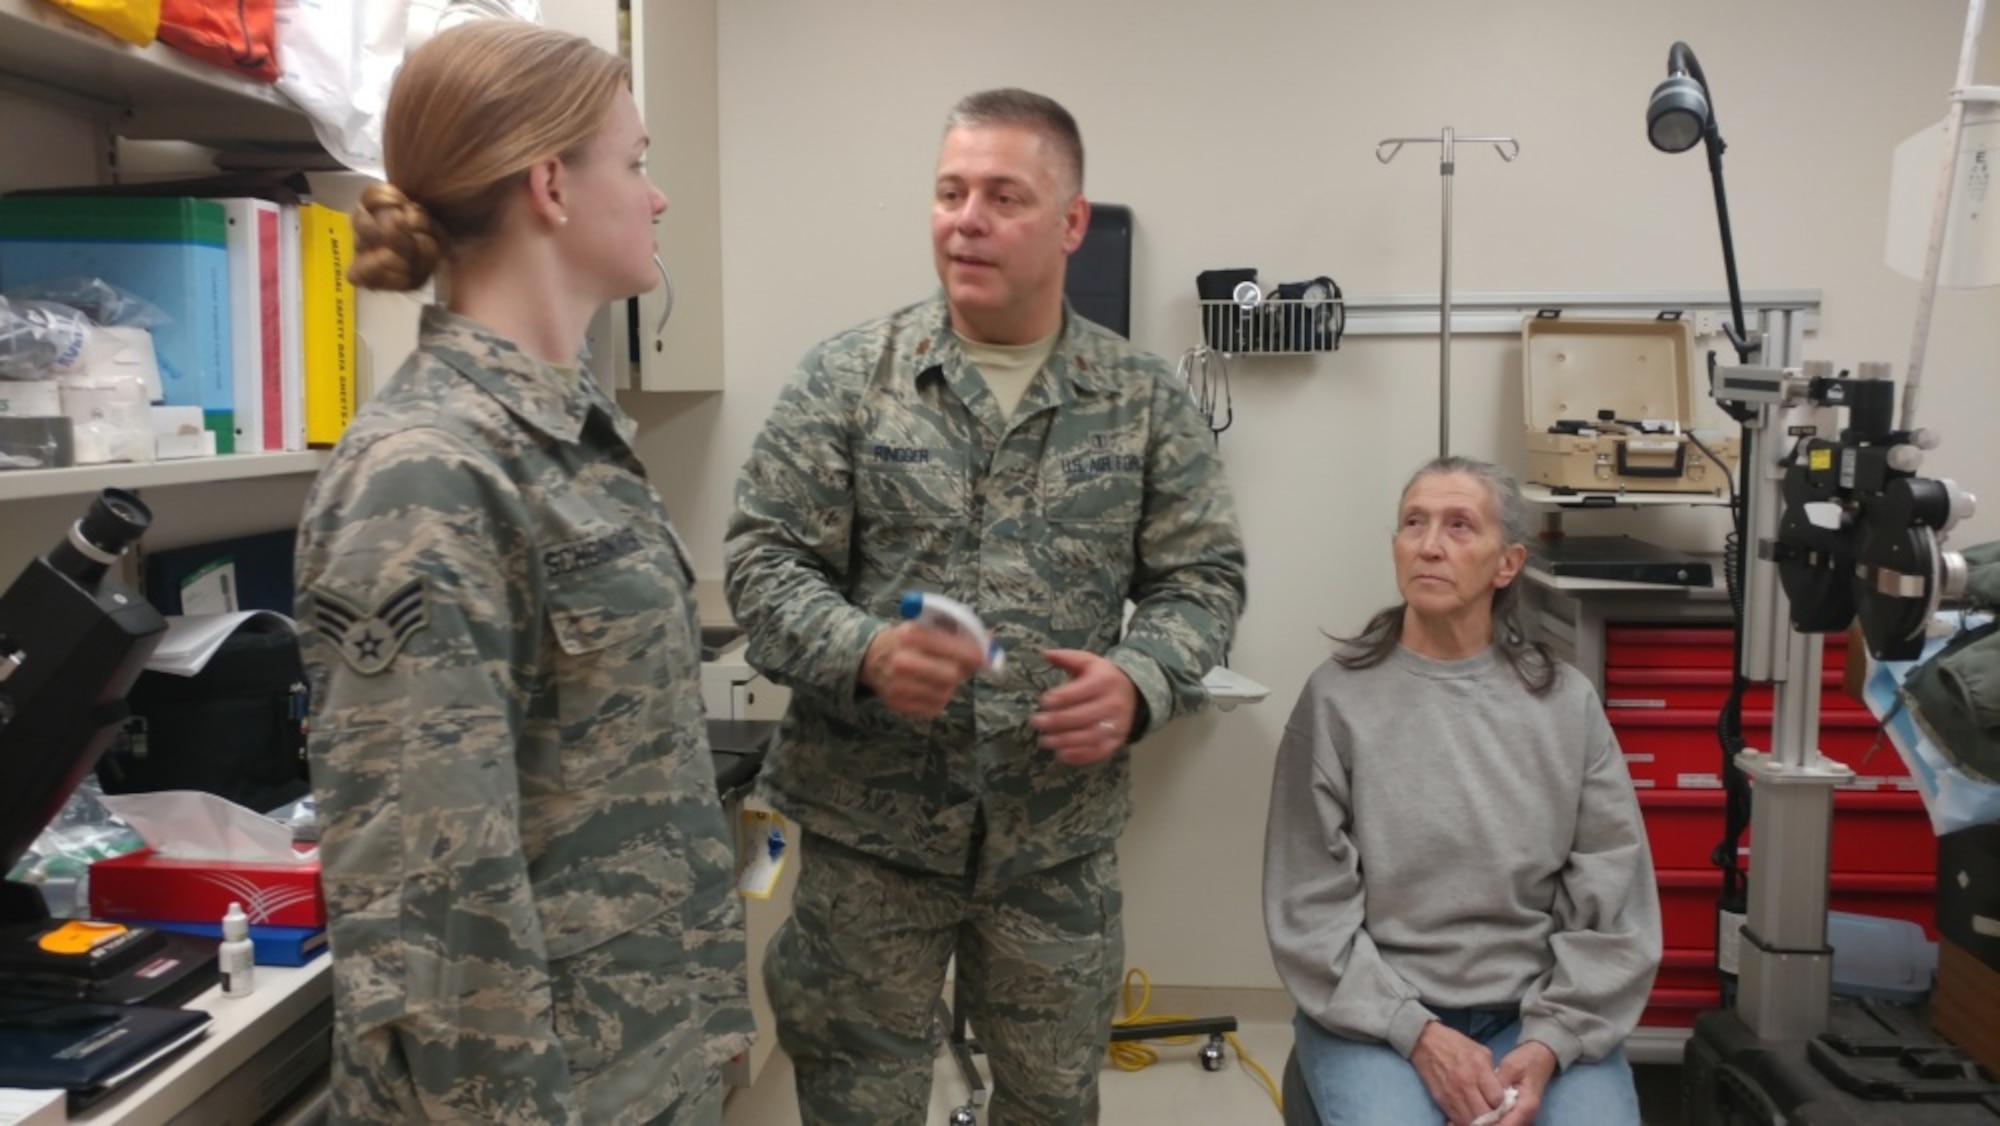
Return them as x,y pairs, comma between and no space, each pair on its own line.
1681,57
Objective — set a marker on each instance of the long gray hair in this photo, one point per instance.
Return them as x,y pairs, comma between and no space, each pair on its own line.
1531,660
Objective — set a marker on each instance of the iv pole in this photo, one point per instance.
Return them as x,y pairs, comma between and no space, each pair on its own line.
1385,151
1963,92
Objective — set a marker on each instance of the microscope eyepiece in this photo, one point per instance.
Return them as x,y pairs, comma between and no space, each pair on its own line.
115,520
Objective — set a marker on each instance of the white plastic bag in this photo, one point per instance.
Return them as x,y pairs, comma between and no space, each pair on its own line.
338,58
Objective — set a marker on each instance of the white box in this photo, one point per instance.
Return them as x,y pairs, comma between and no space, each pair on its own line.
30,398
173,447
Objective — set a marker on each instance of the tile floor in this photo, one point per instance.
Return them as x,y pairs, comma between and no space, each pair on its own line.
1173,1092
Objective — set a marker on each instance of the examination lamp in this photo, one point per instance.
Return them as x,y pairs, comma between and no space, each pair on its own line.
1680,113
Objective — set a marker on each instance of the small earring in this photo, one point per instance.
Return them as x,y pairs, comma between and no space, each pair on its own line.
562,220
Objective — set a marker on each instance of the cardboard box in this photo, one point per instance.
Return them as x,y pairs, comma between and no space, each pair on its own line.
1576,369
1963,1004
142,885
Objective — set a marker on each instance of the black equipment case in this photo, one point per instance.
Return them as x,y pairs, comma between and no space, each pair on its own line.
1876,1065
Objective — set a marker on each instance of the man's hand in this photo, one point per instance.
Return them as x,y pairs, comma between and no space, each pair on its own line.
916,670
1084,720
1458,1070
1527,1069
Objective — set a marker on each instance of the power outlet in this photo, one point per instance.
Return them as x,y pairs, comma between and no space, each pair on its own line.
1707,323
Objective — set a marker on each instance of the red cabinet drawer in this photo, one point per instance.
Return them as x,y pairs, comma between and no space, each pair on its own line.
1677,1008
1676,748
1688,647
1708,689
1671,647
1687,902
1873,832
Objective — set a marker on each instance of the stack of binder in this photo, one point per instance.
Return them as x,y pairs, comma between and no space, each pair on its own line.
87,1048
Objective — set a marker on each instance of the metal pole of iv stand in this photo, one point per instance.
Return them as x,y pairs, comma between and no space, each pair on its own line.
1785,965
1385,151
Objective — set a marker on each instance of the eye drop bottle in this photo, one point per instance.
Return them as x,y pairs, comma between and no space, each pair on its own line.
935,611
235,957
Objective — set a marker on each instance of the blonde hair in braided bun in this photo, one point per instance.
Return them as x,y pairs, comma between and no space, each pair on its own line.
397,245
470,112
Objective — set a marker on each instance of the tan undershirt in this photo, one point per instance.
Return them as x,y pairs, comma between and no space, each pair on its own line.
1009,368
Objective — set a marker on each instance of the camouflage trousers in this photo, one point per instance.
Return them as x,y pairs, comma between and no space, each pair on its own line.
855,975
696,1108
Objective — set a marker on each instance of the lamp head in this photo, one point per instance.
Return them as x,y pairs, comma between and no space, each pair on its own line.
1679,114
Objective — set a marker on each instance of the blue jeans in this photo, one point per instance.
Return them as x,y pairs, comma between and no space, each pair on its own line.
1367,1082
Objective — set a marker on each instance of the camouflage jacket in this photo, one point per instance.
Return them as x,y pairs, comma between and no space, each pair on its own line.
527,873
886,467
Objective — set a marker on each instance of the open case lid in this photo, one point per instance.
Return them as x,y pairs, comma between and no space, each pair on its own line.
1575,367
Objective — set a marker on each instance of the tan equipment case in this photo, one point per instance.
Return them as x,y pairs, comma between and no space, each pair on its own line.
1639,371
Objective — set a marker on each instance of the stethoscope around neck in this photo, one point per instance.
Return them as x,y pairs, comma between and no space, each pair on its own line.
666,292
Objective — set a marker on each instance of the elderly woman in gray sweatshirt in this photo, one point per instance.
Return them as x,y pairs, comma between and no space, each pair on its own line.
1457,887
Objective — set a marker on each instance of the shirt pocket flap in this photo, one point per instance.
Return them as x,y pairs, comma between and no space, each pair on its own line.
598,901
593,616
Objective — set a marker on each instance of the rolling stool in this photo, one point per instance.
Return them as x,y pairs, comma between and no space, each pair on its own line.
1299,1108
962,1050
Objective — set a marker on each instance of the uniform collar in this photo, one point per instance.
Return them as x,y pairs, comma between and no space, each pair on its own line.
1073,365
541,396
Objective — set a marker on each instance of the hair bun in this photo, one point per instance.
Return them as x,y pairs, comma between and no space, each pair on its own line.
397,245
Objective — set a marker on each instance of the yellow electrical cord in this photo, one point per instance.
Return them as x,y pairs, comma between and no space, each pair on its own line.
1134,1055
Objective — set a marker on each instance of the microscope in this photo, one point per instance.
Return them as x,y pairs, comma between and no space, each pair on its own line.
72,642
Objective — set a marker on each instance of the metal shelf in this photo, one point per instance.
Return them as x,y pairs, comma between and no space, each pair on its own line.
28,484
151,92
1501,314
1544,495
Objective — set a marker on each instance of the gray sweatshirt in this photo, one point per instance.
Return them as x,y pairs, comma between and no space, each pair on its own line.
1440,837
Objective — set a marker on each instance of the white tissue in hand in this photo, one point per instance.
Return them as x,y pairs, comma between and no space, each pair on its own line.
190,825
1507,1101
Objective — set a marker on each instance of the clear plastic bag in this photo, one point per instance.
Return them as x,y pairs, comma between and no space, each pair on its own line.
301,817
104,303
59,861
39,339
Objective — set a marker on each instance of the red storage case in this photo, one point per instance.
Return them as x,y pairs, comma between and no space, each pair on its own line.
1873,832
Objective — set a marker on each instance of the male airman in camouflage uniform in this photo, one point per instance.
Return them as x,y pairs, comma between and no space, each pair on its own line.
527,873
990,445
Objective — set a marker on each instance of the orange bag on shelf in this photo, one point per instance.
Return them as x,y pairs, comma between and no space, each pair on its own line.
236,35
135,21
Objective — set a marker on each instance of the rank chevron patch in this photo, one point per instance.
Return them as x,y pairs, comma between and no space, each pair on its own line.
369,639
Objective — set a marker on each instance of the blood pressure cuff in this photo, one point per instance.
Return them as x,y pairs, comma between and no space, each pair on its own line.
236,729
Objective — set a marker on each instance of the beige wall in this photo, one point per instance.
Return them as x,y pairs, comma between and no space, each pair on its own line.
1243,134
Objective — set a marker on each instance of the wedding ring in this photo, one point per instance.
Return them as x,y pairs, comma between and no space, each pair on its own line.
1107,726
